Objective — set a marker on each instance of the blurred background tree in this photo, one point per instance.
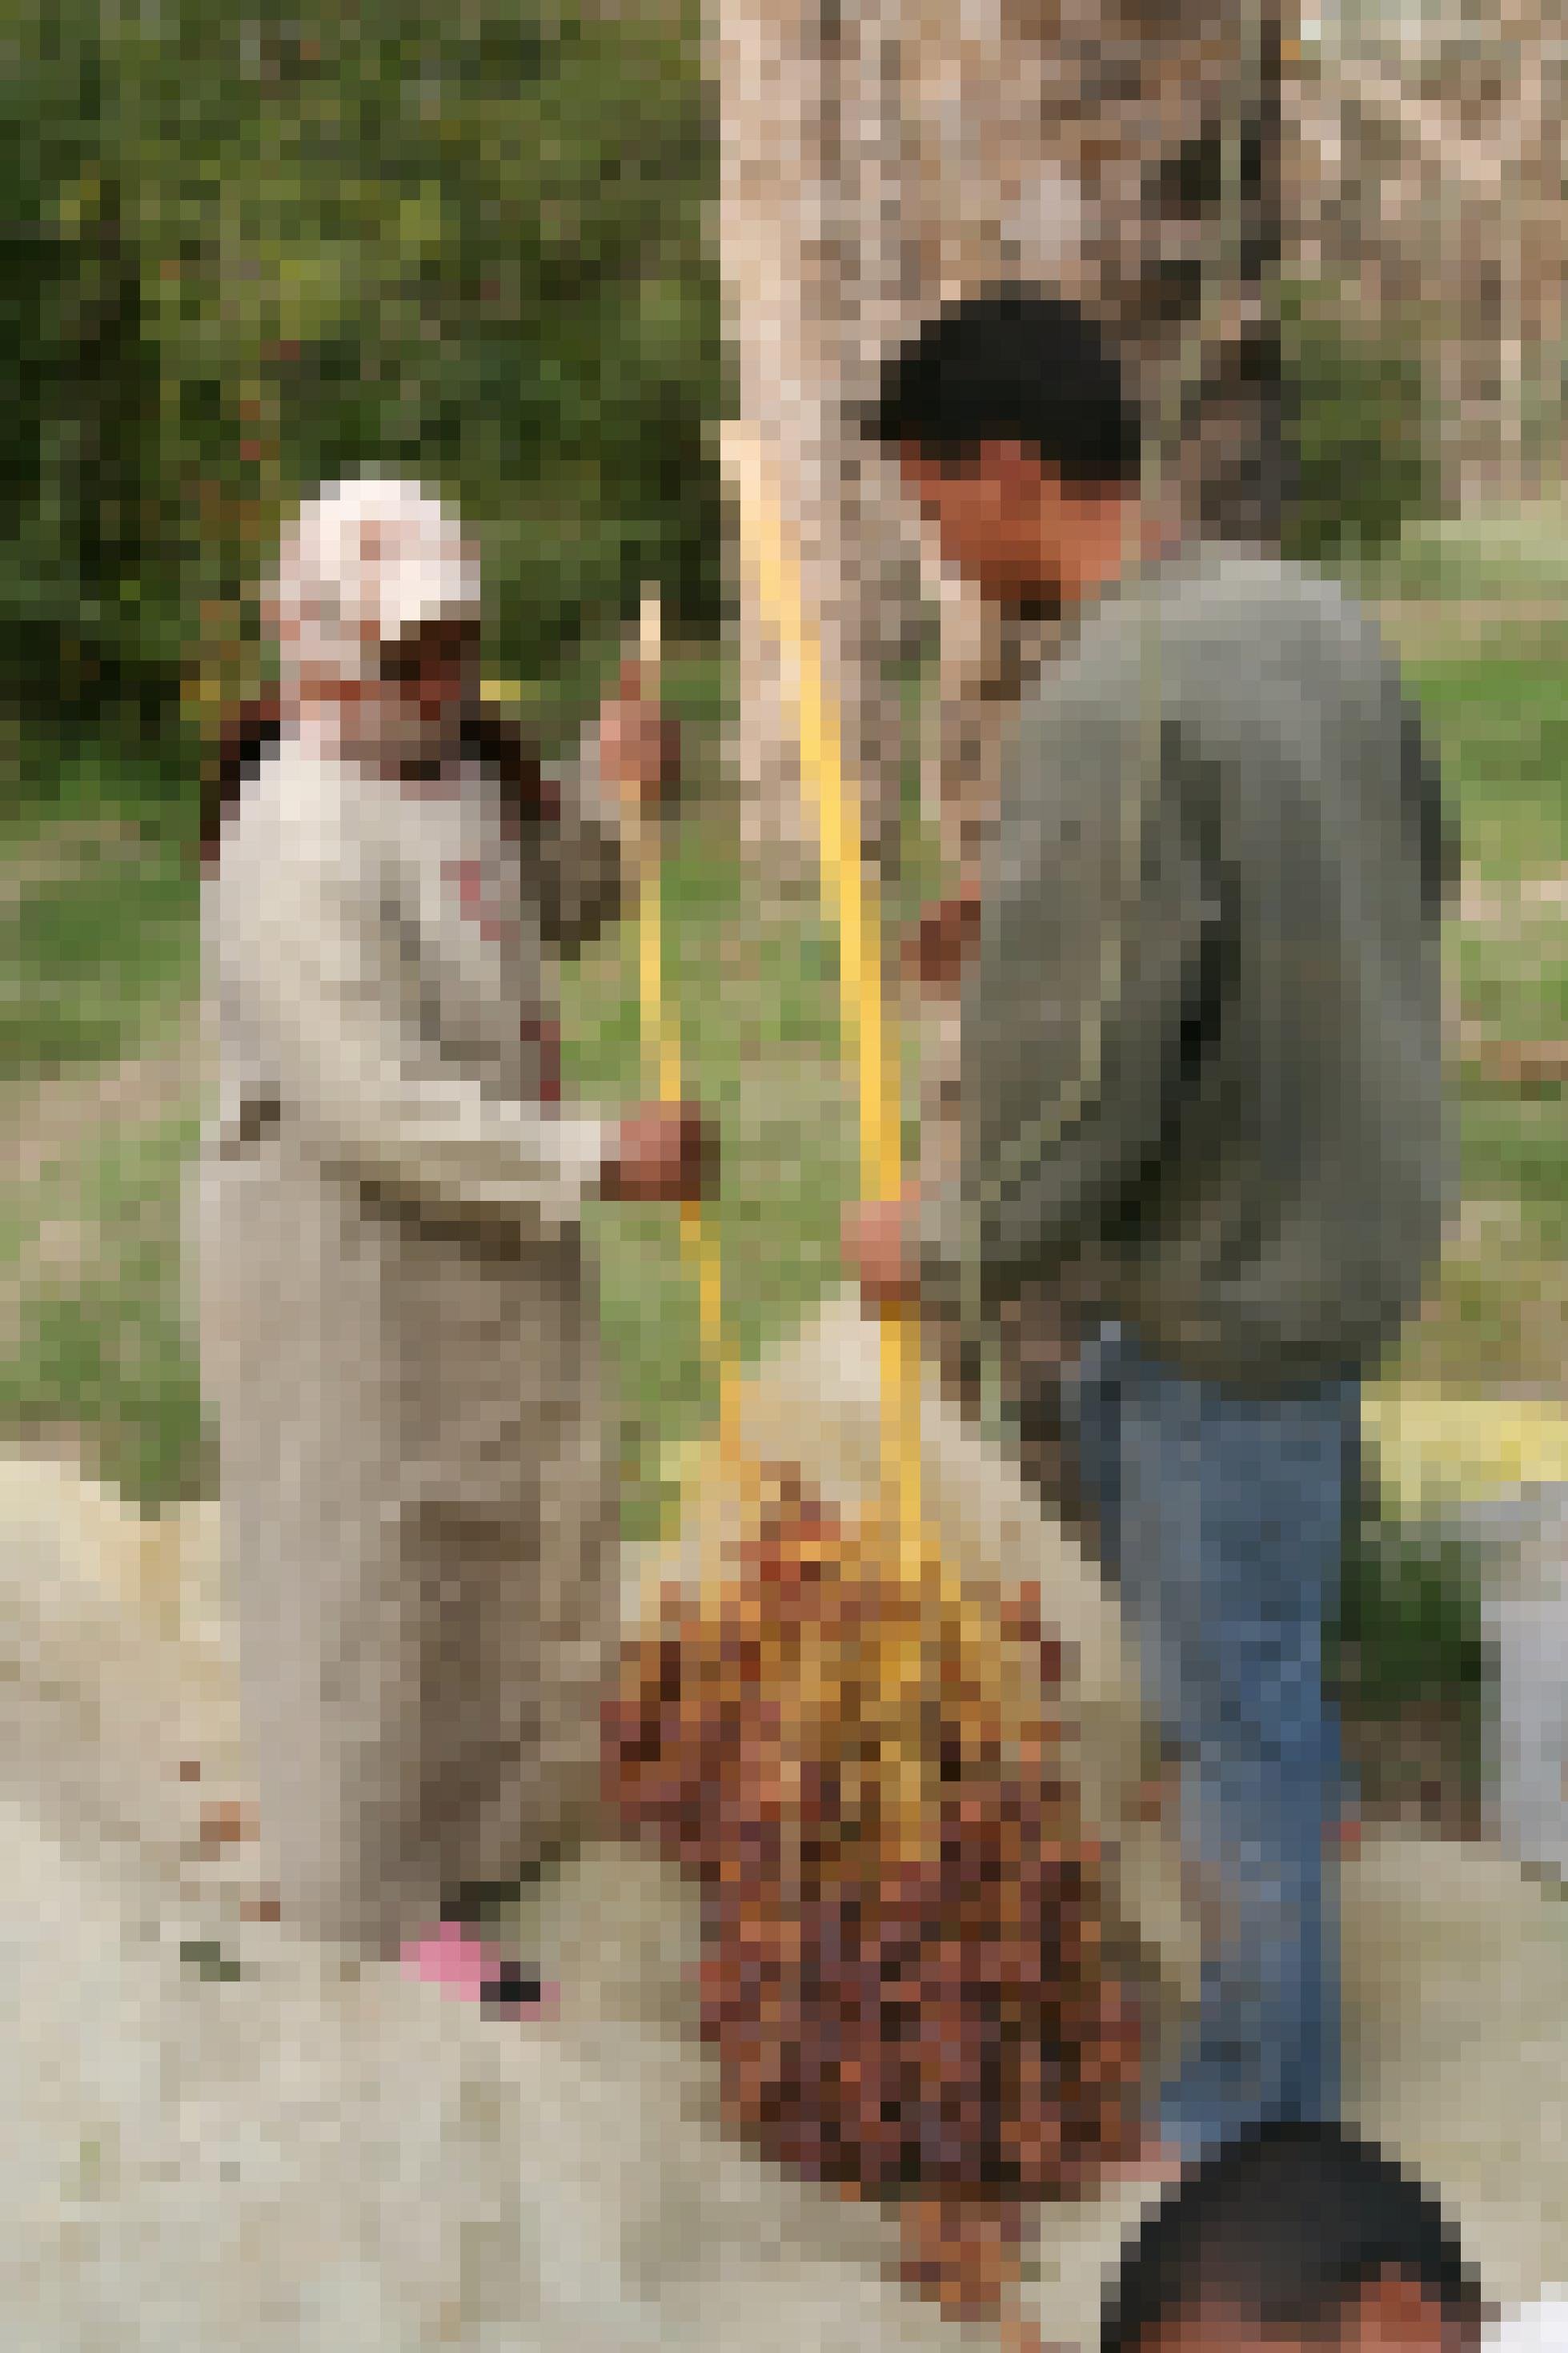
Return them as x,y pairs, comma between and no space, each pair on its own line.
243,251
79,483
240,251
1365,449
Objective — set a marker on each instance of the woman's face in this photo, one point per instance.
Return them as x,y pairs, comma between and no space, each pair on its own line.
406,717
429,673
427,679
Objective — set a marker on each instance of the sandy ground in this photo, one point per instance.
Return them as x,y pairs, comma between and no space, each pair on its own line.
209,2136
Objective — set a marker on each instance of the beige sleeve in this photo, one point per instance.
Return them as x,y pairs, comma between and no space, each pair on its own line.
318,960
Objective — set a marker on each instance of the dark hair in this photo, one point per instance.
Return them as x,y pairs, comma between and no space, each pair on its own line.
244,738
1012,365
1286,2224
488,736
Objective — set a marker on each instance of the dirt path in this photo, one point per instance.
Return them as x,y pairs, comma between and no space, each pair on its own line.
65,854
56,1121
1438,628
64,1128
1492,906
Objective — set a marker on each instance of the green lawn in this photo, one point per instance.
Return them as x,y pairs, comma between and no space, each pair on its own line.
757,1006
1501,724
1506,553
93,962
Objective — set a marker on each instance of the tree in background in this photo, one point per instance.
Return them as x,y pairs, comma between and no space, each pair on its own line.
239,251
467,243
1365,455
78,470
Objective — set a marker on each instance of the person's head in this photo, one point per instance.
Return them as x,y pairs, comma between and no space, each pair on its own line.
1295,2239
1012,428
376,610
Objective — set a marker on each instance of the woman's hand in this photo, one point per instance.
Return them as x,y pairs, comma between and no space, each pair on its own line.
943,939
640,749
664,1152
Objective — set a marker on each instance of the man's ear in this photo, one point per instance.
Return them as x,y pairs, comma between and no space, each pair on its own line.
1395,2314
916,464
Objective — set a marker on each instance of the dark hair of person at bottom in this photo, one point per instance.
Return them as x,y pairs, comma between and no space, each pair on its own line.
1285,2225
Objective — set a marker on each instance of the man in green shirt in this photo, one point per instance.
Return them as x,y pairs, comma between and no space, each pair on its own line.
1201,1104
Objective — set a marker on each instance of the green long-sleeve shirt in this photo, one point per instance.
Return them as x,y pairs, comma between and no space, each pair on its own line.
1201,1045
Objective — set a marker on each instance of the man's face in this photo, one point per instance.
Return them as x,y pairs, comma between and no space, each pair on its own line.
1393,2315
1013,526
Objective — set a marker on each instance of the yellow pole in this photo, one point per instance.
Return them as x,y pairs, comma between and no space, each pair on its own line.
661,1045
868,1028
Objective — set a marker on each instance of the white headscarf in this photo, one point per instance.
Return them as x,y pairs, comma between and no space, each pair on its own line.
364,561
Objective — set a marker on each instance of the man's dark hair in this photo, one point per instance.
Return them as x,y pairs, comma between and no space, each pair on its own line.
1012,365
1285,2225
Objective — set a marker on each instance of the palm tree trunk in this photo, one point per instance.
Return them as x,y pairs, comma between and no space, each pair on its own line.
882,159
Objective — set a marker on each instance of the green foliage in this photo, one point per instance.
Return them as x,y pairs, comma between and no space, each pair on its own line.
75,568
251,252
1364,460
241,251
1501,724
1410,1624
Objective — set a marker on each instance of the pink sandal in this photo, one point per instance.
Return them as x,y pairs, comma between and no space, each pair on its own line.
466,1966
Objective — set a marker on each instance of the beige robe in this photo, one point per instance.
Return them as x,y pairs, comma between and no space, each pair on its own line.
398,1335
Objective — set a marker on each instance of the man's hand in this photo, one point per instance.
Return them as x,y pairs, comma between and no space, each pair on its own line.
640,749
664,1152
879,1247
943,940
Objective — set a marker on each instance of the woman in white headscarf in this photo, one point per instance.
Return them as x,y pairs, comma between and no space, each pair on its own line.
398,1337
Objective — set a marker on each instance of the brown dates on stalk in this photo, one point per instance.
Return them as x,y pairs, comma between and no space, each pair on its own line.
935,2025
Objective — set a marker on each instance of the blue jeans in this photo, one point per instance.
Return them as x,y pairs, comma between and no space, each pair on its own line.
1222,1524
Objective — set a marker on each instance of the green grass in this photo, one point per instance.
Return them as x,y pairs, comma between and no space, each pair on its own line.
1515,1147
1520,552
1502,726
50,778
110,1359
1410,1626
1500,550
112,1183
1517,986
106,1350
757,1007
91,962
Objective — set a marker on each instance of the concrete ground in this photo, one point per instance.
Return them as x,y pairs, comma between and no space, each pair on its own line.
210,2136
